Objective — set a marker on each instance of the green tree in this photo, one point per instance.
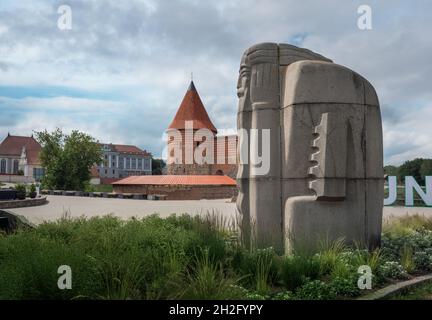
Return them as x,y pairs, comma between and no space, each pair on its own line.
67,159
157,166
391,170
426,168
412,168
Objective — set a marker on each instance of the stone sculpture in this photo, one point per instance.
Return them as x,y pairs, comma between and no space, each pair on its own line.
325,179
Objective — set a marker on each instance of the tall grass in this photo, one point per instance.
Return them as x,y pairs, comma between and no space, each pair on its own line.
405,225
185,257
407,259
207,280
110,258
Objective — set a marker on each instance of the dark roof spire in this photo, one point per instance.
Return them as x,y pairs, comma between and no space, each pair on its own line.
192,86
192,109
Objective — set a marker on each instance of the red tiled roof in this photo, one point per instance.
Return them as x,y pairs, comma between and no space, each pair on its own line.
178,180
33,156
129,149
192,109
13,145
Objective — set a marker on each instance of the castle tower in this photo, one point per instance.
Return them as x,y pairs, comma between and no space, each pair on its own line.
189,119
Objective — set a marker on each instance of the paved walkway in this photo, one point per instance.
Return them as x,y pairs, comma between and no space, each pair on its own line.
126,208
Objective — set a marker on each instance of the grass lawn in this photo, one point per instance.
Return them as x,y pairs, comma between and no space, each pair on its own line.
100,188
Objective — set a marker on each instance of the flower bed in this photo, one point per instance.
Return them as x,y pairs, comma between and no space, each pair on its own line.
187,257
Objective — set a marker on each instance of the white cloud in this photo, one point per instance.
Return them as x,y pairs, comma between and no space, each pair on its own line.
145,50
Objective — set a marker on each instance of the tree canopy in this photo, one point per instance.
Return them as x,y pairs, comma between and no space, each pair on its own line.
157,166
67,159
417,168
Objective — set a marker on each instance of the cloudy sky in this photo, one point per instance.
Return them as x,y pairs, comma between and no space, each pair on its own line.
122,70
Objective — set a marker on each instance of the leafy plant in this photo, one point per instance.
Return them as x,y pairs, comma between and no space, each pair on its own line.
32,191
392,269
21,191
345,287
296,270
407,259
329,256
423,260
315,290
208,281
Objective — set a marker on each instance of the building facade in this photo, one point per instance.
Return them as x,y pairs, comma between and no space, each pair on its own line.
19,156
191,118
120,161
178,187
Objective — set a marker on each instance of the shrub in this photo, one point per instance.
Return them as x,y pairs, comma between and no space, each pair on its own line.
110,259
296,270
207,281
330,254
407,259
315,290
346,287
363,257
258,268
284,295
392,269
423,260
32,191
21,191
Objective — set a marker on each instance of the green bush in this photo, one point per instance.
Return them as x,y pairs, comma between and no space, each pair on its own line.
258,268
392,269
21,191
186,257
110,259
297,270
32,191
423,259
345,287
315,290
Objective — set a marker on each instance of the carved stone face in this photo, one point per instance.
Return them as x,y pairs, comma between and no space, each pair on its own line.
243,86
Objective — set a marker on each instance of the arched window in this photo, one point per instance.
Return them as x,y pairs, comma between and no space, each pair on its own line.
3,166
219,173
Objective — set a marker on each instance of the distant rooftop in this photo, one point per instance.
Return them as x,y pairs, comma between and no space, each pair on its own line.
192,109
13,146
127,149
203,180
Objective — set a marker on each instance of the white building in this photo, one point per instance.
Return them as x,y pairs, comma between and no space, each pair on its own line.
121,161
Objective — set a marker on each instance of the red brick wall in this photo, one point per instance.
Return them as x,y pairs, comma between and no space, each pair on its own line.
225,147
180,192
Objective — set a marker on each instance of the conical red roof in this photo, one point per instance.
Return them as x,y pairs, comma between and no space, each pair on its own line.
192,109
